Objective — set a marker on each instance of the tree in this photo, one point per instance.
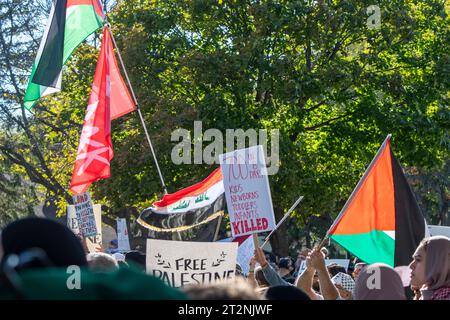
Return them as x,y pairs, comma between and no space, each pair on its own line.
333,83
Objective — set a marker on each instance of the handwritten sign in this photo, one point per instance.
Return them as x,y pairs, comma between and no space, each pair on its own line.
85,214
247,191
246,250
94,243
122,235
179,263
341,262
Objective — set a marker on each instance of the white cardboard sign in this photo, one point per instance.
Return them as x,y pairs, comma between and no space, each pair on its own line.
247,191
180,263
84,212
122,235
246,250
94,243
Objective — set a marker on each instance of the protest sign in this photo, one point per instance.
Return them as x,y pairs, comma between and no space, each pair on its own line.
94,243
246,251
122,235
439,231
340,262
179,263
247,191
302,267
84,212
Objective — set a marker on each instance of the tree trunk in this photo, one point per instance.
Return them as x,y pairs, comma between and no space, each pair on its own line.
279,240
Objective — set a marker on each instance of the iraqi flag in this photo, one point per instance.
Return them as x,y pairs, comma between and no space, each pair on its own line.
69,24
187,208
381,221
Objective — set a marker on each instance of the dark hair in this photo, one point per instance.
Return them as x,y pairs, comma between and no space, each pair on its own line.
284,262
60,245
270,256
136,258
260,278
334,269
285,293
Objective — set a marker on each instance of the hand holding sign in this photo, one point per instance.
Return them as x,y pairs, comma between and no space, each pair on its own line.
261,257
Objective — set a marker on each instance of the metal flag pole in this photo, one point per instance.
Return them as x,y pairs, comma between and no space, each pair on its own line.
216,234
137,108
282,220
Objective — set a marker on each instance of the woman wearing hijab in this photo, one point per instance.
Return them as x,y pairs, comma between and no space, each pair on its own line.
430,268
379,281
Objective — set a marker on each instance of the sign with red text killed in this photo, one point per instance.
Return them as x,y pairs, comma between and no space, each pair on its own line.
181,263
247,191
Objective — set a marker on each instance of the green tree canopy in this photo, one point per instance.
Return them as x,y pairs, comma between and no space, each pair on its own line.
333,82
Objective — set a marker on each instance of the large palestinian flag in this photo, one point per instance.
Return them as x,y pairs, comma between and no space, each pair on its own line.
381,221
69,24
187,208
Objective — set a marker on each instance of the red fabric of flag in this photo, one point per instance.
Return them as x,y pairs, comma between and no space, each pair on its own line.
95,148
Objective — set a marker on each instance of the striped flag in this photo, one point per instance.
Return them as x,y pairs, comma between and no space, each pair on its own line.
69,24
381,221
187,208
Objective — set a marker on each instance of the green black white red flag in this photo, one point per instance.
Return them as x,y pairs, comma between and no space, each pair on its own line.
69,24
381,221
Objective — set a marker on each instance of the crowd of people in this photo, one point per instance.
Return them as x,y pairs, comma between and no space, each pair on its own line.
36,255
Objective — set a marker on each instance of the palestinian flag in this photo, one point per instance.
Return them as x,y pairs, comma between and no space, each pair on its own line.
187,208
381,221
69,24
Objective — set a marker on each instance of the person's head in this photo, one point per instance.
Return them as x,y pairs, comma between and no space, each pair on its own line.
102,262
239,271
114,244
118,256
315,282
285,293
345,285
231,289
136,259
379,281
286,263
303,254
56,241
260,278
357,270
334,269
431,263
